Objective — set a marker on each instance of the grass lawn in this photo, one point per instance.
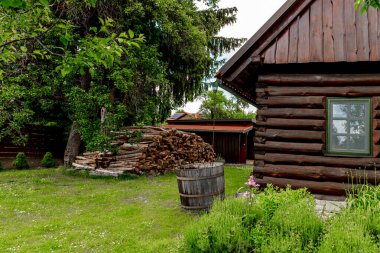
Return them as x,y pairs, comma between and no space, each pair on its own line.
46,210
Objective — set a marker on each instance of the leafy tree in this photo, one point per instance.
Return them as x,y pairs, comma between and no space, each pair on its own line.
86,65
217,106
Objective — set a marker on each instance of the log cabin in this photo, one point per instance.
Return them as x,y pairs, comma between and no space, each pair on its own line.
313,72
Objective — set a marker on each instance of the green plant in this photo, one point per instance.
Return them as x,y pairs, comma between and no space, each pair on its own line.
348,233
48,160
1,167
219,231
20,162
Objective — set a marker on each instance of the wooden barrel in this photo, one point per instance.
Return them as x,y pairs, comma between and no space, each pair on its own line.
199,184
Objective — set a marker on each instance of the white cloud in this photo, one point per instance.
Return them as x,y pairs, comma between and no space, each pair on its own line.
252,14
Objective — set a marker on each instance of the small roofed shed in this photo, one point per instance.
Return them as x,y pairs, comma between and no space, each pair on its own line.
313,73
231,139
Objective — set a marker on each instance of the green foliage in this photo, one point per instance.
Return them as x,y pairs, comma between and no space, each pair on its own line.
20,162
238,226
48,160
66,61
219,231
216,105
365,4
348,233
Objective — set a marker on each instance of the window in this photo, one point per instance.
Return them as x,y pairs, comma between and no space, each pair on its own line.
349,126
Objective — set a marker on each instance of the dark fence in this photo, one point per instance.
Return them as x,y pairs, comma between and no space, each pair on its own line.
40,140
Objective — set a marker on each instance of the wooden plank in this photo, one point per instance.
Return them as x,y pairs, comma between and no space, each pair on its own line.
293,123
350,28
373,30
270,54
348,91
330,188
362,37
290,147
293,113
338,30
304,38
293,42
293,101
316,32
282,134
350,162
319,173
282,50
328,39
320,79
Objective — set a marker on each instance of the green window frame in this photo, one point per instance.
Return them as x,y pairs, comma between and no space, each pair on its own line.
349,126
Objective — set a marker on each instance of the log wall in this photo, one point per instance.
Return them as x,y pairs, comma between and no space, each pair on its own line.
290,139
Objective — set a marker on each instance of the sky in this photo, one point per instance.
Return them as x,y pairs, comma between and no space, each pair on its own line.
252,14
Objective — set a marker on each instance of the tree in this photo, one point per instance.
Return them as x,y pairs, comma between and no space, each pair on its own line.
86,64
217,106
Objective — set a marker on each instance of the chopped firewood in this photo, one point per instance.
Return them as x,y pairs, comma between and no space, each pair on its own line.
156,151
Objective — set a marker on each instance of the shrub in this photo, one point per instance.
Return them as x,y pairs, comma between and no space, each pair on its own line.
48,161
348,233
219,231
1,167
20,162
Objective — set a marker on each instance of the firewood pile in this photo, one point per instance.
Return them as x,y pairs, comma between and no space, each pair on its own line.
150,150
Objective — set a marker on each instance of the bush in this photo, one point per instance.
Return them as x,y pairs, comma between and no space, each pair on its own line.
1,167
219,231
348,233
20,162
48,161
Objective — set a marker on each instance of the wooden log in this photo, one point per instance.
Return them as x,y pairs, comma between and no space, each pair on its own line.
376,136
346,91
293,134
81,166
376,124
329,188
293,123
320,79
376,103
350,162
293,113
319,173
293,101
290,147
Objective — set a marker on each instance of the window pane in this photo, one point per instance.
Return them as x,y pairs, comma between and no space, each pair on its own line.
358,142
358,110
340,110
339,142
358,127
340,126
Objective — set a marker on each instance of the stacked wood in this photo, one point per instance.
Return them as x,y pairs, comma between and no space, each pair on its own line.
150,150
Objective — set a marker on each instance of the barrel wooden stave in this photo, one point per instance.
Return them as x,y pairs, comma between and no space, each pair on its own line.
200,184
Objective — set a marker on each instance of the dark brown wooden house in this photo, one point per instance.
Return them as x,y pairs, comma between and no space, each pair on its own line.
231,139
313,71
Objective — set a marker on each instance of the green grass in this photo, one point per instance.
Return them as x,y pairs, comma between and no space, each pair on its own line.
46,210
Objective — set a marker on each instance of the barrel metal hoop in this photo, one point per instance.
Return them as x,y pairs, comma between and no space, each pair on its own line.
203,195
200,178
